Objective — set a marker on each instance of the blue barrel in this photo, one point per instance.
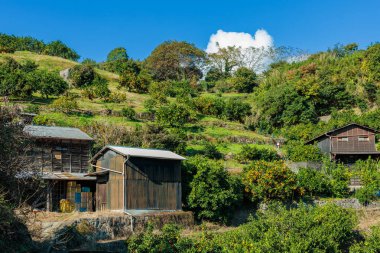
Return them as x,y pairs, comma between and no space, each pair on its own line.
77,197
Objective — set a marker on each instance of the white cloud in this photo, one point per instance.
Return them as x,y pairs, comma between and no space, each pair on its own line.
224,39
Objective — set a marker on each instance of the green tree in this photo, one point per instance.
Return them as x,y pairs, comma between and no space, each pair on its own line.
237,110
174,60
372,61
174,115
214,193
82,75
50,84
137,80
15,80
225,60
58,48
119,53
251,153
244,80
314,182
270,181
65,104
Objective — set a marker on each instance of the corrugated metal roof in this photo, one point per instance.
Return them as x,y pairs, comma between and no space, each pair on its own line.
144,152
67,176
56,132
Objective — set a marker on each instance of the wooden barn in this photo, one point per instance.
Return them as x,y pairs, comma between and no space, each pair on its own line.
137,179
62,156
349,143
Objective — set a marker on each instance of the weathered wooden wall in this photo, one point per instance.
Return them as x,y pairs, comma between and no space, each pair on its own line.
61,156
149,183
353,144
110,191
153,184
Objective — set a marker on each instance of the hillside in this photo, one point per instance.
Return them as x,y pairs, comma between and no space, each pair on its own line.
228,137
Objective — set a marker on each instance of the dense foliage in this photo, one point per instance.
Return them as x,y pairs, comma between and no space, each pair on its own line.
251,153
369,174
304,229
270,181
299,92
174,60
11,43
213,194
22,80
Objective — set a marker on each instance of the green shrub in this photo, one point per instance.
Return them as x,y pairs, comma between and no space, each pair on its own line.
128,113
214,193
244,80
270,181
210,105
32,108
211,151
369,173
314,182
82,75
366,194
339,177
65,104
305,229
298,152
148,241
371,243
174,115
42,120
116,97
58,48
251,153
236,109
50,83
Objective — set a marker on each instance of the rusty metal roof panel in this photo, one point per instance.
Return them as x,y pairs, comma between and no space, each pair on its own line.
56,132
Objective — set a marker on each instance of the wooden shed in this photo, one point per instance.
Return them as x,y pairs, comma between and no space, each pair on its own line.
349,143
137,179
61,155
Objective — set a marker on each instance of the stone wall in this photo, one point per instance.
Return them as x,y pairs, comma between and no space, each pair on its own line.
348,203
88,232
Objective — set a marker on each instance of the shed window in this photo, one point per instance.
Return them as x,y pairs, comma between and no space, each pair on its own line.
343,139
363,138
57,155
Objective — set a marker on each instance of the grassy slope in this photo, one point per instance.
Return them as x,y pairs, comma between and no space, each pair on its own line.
227,136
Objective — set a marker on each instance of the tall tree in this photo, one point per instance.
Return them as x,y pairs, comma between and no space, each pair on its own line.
58,48
225,60
119,53
176,60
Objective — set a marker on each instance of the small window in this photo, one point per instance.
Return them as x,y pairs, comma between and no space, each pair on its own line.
57,155
363,138
342,138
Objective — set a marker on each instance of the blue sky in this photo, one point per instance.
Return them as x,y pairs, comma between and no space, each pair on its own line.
93,28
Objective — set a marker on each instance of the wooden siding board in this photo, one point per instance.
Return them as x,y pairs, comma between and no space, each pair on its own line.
353,144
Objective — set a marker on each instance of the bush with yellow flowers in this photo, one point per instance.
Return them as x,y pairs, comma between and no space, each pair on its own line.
265,181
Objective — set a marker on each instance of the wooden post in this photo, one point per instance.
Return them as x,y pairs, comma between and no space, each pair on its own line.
49,206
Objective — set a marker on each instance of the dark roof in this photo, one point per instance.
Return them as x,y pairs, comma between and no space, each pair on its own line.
56,132
337,129
140,152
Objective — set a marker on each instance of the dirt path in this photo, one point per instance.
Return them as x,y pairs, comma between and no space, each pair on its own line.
368,218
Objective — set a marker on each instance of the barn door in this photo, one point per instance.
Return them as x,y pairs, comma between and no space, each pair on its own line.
101,200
